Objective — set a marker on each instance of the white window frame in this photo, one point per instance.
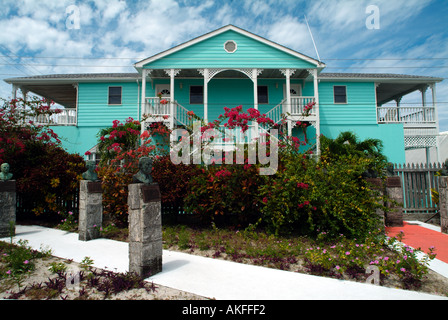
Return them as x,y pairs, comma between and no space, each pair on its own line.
346,95
234,42
121,96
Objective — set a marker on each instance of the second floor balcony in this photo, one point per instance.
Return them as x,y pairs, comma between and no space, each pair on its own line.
409,116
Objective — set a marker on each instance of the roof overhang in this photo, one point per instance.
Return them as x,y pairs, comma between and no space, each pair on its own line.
389,87
139,65
61,88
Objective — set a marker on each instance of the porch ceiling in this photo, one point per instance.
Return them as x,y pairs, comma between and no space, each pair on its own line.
387,92
63,94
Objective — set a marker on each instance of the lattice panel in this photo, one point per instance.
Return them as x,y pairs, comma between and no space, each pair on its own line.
420,142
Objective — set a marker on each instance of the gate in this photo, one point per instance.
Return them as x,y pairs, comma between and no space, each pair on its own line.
417,181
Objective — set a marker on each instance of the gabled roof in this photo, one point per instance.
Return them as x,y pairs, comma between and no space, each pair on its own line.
139,65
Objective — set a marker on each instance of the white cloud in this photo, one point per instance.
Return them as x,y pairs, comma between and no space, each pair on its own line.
290,32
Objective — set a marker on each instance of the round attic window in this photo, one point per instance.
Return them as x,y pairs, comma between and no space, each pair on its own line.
230,46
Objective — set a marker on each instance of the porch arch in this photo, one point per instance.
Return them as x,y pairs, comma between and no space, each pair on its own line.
212,72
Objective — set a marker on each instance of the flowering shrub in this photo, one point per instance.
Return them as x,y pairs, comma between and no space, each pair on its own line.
353,256
122,146
326,195
120,137
230,190
305,195
46,174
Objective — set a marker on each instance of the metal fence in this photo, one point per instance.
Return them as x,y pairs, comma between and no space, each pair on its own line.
417,181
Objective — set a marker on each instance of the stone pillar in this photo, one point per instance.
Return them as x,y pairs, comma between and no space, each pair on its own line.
7,207
145,229
90,209
443,202
394,191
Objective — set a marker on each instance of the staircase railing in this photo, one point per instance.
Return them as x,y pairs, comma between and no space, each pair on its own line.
276,113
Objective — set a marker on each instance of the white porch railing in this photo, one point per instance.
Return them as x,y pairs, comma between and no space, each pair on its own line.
298,105
275,114
67,117
297,108
181,115
407,115
157,107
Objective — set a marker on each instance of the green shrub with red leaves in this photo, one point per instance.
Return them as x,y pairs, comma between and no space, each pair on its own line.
46,175
121,146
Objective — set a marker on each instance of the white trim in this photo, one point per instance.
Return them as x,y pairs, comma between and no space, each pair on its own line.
206,36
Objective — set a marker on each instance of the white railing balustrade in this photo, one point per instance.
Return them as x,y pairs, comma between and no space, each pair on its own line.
407,115
66,117
298,105
156,106
181,115
275,114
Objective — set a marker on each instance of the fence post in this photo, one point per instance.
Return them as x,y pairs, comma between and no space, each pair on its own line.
443,200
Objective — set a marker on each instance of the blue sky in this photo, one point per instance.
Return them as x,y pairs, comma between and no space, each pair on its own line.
37,37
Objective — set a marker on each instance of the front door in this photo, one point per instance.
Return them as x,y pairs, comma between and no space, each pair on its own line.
296,90
163,89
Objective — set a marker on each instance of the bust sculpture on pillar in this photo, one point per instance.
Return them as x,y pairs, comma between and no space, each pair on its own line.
4,173
90,174
144,173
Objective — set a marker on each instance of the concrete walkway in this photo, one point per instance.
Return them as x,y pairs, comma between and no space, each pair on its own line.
213,278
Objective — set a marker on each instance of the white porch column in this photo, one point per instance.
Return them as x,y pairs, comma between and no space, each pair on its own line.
206,76
172,74
143,102
436,118
423,91
24,94
316,108
255,81
14,91
288,99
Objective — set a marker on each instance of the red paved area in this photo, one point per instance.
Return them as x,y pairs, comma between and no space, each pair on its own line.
420,237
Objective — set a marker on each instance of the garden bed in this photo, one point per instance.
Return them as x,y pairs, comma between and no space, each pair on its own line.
26,274
342,259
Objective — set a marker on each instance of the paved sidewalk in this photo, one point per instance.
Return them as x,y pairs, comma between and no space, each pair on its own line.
209,277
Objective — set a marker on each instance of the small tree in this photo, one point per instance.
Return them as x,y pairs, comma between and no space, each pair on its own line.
43,170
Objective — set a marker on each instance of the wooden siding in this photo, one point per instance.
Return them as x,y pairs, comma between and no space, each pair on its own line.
210,53
93,107
359,109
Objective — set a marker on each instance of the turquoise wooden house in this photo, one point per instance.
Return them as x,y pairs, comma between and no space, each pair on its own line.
230,67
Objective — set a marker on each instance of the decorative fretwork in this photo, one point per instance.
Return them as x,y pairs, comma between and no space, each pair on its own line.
285,72
214,71
168,72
